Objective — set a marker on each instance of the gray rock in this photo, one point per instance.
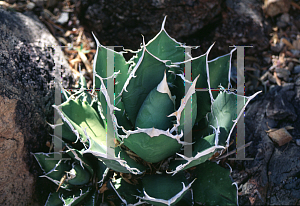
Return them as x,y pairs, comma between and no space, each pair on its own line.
280,109
121,22
296,69
27,60
283,73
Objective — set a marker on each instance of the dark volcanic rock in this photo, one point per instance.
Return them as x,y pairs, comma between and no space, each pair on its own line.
273,175
119,23
27,60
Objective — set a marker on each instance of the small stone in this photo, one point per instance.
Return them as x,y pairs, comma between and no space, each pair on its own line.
283,73
277,47
295,52
280,136
296,69
64,17
275,7
285,18
297,82
290,66
298,142
281,24
288,86
30,5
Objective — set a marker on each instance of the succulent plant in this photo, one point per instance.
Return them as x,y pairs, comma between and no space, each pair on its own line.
123,138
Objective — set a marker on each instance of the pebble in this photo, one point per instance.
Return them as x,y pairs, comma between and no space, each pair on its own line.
278,47
285,18
298,142
64,17
283,73
296,69
295,52
290,66
30,5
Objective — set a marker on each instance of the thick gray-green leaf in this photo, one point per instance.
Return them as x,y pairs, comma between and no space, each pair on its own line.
54,200
127,192
76,196
82,116
161,190
152,145
213,185
155,110
146,77
78,175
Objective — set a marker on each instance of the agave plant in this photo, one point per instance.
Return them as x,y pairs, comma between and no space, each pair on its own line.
125,138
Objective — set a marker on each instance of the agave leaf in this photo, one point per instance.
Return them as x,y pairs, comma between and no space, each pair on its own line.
45,162
75,197
100,151
156,108
54,169
176,84
84,96
153,145
221,123
145,76
187,199
78,157
91,199
126,192
83,120
180,113
65,95
67,133
101,172
204,148
121,162
54,200
188,113
78,175
213,185
164,189
120,66
164,47
212,75
226,111
121,71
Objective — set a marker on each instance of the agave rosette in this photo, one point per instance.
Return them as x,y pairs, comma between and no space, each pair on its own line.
141,105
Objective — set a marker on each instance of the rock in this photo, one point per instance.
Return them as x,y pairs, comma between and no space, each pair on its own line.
283,21
63,18
121,22
277,47
27,60
283,73
280,136
273,175
275,7
280,109
242,26
191,22
290,66
296,69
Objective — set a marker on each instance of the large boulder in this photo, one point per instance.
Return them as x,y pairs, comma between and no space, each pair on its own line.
226,22
27,61
121,22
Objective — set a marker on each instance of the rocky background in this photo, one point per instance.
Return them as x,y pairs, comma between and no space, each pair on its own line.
30,29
